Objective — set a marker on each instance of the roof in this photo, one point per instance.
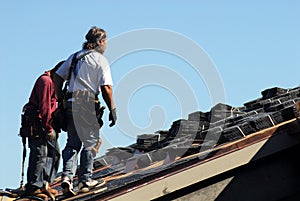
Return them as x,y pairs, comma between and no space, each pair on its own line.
195,149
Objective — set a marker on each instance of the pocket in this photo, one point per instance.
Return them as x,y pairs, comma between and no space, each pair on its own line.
59,120
25,131
85,117
83,108
30,125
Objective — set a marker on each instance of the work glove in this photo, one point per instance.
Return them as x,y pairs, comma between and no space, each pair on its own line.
112,117
51,136
99,114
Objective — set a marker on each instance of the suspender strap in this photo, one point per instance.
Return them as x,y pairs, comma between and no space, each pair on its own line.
73,66
23,163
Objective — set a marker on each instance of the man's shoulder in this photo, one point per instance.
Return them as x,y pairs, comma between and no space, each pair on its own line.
98,57
97,54
45,78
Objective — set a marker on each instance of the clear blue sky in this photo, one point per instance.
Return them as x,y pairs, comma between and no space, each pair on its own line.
243,47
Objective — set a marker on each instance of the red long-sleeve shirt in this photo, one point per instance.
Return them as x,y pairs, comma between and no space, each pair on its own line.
43,99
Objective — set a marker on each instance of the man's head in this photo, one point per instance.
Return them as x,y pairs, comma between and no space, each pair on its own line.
55,68
95,39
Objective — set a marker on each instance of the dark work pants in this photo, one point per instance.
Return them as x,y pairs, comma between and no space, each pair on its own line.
43,162
80,139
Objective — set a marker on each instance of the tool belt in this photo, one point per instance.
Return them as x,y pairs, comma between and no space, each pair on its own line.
30,122
86,109
59,119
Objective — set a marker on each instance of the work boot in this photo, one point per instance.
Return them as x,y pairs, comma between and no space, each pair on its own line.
85,187
48,191
67,186
53,191
42,195
37,194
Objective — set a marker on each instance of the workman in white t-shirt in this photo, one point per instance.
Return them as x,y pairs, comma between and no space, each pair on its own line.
88,76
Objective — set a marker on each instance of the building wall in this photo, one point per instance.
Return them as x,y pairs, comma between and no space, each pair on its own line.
272,178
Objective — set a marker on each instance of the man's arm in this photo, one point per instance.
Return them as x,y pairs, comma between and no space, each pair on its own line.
44,98
107,95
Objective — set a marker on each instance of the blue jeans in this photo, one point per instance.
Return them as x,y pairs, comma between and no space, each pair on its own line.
43,162
80,139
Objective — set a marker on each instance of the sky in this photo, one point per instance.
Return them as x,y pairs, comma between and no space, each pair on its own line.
168,59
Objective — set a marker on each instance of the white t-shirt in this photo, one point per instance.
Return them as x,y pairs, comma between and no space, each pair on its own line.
91,72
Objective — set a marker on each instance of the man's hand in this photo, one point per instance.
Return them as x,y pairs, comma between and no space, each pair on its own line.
51,136
112,117
99,114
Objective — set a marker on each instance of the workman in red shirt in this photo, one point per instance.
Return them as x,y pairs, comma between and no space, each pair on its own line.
44,155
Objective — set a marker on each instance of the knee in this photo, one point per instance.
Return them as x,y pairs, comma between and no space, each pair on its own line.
69,151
